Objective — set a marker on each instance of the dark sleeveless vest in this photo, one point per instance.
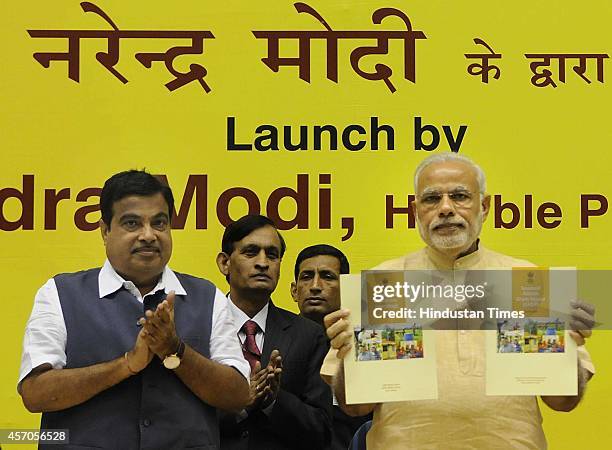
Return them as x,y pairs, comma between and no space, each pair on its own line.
151,410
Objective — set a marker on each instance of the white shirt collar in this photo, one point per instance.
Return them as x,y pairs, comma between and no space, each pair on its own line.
110,281
240,317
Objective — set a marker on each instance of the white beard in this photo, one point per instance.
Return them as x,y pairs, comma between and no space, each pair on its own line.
462,237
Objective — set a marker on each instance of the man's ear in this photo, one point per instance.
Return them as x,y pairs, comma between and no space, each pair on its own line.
486,206
104,229
223,263
294,291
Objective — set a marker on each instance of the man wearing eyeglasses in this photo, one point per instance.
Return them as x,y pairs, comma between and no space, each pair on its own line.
450,208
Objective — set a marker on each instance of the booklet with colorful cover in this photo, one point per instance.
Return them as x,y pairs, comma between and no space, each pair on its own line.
534,354
388,363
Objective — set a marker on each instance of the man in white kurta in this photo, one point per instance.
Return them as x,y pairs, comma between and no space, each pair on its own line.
450,207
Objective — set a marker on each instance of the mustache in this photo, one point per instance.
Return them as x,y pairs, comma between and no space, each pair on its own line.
146,248
447,222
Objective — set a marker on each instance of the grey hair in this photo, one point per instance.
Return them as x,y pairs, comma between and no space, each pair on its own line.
445,157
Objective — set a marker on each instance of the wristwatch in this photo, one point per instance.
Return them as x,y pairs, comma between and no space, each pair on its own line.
173,360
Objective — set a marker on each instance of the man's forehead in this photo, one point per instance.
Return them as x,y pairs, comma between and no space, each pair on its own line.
263,237
320,262
141,205
449,175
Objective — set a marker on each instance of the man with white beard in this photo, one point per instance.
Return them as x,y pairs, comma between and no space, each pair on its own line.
450,207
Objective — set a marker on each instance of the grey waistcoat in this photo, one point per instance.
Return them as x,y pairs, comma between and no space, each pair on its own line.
151,410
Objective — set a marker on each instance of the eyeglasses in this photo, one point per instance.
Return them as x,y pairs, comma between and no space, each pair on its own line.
460,198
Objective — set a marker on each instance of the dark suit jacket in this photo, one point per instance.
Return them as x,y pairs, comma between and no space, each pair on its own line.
301,415
344,428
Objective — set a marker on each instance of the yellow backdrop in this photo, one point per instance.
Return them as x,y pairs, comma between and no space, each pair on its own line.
548,142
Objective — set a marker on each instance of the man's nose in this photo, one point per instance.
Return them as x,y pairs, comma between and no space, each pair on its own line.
316,284
447,206
147,233
261,260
